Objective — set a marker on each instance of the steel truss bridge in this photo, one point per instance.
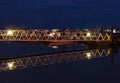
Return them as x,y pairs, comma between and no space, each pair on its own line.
54,35
47,59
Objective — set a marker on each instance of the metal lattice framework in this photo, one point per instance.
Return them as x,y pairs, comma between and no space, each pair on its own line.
49,35
24,62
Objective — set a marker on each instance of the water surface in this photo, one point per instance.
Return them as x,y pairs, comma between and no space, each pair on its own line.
59,14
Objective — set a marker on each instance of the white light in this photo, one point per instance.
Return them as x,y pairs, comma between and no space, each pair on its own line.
54,30
88,55
51,34
88,34
9,32
114,31
11,65
55,47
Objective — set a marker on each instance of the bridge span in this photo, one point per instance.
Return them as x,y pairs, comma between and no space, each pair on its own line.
55,35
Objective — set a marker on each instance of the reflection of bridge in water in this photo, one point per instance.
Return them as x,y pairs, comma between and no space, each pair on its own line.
90,37
87,36
47,59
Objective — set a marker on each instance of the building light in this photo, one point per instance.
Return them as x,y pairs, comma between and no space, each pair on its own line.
114,30
55,30
9,32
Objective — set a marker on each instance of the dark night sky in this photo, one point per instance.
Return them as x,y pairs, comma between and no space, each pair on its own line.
59,13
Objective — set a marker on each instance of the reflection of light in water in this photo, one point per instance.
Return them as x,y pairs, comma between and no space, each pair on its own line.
55,47
9,32
82,44
11,65
109,51
88,55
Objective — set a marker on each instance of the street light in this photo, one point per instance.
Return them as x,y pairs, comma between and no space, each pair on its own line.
9,32
52,34
88,34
